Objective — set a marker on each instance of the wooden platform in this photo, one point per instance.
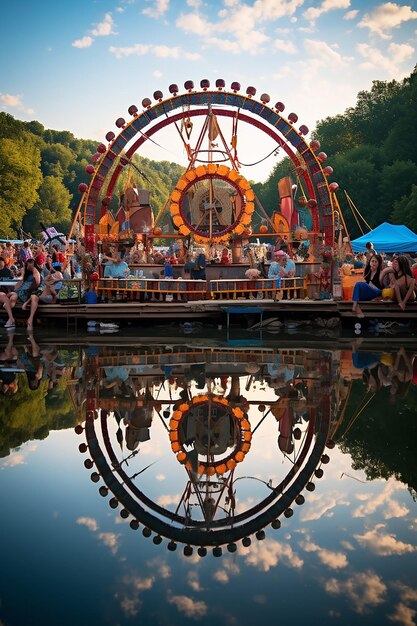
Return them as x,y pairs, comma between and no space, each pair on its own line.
206,309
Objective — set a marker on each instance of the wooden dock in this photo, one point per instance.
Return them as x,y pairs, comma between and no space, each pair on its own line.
211,309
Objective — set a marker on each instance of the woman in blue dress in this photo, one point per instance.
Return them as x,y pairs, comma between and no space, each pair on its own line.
371,287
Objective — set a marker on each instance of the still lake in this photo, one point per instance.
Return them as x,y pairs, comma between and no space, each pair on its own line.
178,478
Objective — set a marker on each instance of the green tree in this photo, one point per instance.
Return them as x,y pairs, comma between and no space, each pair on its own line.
405,210
52,207
395,182
56,159
20,177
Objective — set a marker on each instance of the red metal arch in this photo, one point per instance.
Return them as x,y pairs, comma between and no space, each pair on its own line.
271,132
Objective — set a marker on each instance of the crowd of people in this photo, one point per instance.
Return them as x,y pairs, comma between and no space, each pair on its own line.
391,279
38,272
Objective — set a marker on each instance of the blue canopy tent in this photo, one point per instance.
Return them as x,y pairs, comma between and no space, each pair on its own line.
388,238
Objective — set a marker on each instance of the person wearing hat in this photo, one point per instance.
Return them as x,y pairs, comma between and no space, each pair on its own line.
282,266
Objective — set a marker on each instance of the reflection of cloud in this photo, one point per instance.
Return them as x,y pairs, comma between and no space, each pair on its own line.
373,501
321,505
221,576
90,522
364,589
383,544
110,540
191,608
159,567
334,560
193,580
133,586
404,614
260,599
168,499
266,554
17,458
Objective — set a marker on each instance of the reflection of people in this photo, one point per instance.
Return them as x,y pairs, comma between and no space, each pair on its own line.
139,420
8,359
31,361
402,375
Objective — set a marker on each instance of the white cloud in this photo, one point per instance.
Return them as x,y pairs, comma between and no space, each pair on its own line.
313,13
159,8
84,42
386,17
160,51
137,49
285,46
191,608
390,62
159,477
350,15
383,543
195,4
165,52
268,553
363,589
334,560
323,55
104,28
240,27
89,522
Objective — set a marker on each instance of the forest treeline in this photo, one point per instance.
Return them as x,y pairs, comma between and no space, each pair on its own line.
372,148
40,170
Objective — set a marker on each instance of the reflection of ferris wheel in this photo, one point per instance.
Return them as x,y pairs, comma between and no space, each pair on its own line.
212,199
210,437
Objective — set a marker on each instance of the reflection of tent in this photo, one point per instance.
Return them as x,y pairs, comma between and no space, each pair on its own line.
388,238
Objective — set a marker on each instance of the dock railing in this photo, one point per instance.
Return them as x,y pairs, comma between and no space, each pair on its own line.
151,290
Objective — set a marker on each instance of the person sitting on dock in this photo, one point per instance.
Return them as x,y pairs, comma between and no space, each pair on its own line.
116,268
403,280
27,290
282,266
371,287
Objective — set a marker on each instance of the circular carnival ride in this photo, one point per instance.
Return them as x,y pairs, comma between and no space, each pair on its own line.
211,201
233,460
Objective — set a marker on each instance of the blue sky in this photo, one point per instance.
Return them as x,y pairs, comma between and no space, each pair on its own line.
79,65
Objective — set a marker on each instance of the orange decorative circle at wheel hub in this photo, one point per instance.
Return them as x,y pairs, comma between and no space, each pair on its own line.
230,184
210,417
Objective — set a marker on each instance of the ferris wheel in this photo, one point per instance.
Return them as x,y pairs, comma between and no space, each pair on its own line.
212,200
